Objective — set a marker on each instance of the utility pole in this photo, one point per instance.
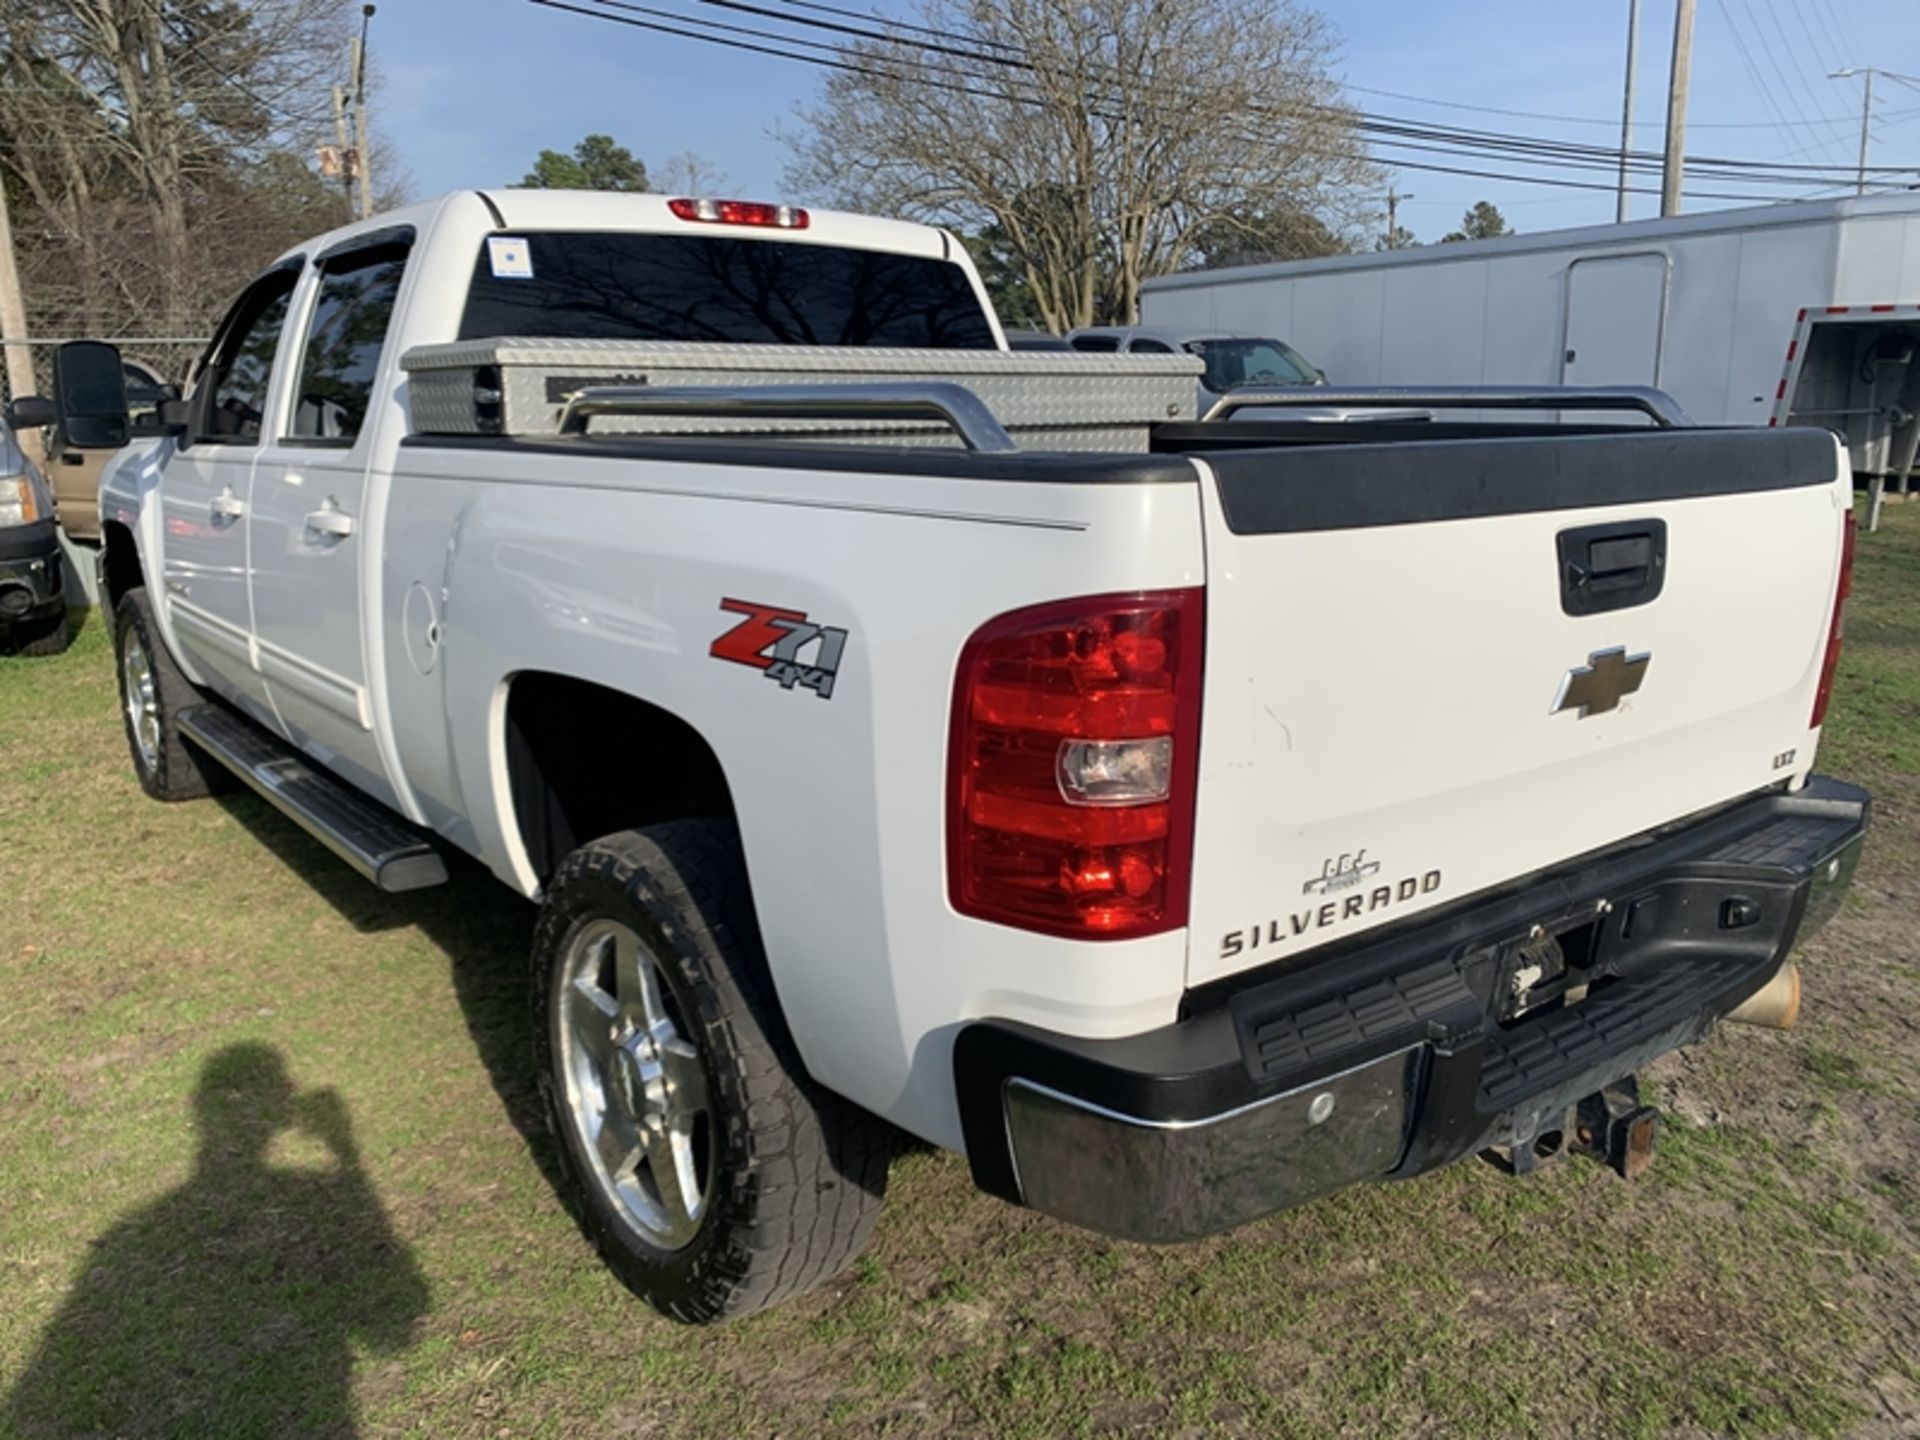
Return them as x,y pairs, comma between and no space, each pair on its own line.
345,149
13,313
1394,198
1866,116
1673,173
362,155
1626,108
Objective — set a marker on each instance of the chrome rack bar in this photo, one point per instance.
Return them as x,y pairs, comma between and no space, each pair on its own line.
958,406
1659,405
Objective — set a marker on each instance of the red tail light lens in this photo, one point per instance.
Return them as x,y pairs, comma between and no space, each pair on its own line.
1075,750
1835,629
740,212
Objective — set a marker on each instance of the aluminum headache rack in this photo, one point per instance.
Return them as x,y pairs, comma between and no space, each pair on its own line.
1035,400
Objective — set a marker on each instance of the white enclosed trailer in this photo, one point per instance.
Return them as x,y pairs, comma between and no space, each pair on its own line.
1783,314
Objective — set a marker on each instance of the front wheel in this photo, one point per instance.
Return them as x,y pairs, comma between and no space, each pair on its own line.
153,692
714,1176
50,636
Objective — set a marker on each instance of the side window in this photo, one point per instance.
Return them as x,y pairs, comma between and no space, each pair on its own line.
342,350
1149,347
1100,344
231,399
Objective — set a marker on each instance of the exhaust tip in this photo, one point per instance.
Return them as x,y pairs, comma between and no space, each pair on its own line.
1776,1005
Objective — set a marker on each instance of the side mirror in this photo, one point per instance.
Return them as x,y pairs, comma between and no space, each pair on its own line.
31,412
90,393
174,414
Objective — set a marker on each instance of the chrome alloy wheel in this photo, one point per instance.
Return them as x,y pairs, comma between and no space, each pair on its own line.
142,705
635,1084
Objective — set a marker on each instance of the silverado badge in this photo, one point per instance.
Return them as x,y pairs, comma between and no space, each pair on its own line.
1601,683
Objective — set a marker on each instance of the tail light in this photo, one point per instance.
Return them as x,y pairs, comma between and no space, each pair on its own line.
1075,749
1835,629
740,212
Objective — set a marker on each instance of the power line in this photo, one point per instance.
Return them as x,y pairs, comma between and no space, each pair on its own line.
1813,91
1786,88
1563,119
674,24
1390,131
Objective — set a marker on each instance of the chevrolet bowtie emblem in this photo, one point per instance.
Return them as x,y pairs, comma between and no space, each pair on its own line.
1598,685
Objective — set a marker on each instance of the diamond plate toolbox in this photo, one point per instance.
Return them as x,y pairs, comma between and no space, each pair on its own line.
1046,399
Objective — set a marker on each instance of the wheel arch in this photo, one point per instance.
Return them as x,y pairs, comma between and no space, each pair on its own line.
565,744
120,567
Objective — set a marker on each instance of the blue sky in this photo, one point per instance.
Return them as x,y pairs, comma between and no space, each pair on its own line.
474,89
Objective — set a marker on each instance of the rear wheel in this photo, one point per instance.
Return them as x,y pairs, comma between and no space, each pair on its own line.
714,1176
153,692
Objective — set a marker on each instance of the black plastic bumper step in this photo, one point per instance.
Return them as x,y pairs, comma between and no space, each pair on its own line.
381,845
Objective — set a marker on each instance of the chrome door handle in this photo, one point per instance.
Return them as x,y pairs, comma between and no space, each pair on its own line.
227,505
330,521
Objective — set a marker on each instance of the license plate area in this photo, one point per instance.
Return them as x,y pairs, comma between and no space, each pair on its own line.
1549,965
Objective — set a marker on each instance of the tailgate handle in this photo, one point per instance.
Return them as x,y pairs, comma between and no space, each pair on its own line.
1611,567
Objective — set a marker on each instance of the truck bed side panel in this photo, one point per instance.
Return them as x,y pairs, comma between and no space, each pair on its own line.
614,570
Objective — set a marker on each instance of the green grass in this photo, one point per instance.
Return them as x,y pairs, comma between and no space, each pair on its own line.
273,1167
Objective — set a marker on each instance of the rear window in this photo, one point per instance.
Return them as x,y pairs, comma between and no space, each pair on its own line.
589,286
1233,363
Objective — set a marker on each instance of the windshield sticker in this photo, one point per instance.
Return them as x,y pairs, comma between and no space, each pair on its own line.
509,257
783,645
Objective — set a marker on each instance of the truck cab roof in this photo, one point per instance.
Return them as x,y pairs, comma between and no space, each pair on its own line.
509,209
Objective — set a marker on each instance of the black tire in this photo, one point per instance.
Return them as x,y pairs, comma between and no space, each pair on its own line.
174,770
797,1175
51,636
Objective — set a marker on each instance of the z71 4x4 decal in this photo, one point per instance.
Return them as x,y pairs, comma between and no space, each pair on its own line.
772,640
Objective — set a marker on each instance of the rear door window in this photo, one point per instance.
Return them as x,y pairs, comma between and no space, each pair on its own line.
1150,347
626,286
1095,344
344,339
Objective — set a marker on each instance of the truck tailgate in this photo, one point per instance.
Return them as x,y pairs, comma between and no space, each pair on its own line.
1435,667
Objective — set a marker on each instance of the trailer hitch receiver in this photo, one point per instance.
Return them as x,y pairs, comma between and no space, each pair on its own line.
1612,1126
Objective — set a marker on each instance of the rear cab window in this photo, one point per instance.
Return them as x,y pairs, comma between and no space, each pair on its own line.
341,350
591,285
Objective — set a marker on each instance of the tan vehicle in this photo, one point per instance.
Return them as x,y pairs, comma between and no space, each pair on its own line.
74,474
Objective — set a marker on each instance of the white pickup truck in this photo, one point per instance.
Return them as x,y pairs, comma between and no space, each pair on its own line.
1181,820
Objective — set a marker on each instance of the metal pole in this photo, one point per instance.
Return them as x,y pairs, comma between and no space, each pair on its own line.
1866,131
1626,108
13,313
1673,173
362,152
1394,198
346,149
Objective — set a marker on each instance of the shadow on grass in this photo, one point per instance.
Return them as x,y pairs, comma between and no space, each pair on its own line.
485,929
234,1304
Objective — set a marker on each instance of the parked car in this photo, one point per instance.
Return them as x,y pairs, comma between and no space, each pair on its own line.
1036,340
1233,362
1179,829
33,602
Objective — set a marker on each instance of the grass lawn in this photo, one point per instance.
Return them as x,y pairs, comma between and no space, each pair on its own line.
270,1164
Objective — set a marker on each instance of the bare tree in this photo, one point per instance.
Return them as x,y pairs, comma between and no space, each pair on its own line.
159,148
1102,140
689,174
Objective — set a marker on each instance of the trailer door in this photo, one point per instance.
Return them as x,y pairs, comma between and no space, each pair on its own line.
1616,308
